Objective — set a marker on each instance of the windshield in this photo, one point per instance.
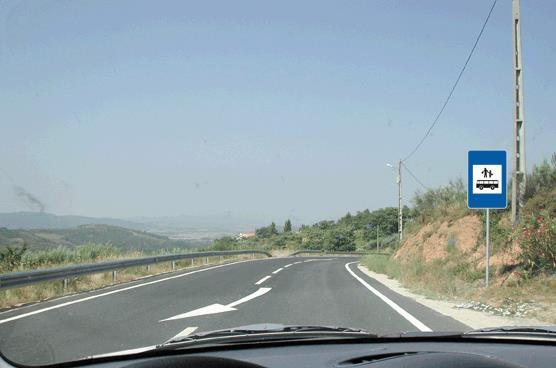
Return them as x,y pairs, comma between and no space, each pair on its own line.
171,168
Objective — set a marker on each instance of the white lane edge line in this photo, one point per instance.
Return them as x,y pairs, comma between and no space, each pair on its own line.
262,280
278,270
19,316
188,331
414,321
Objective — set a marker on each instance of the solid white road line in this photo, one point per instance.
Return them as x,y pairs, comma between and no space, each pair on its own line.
218,308
278,270
188,331
414,321
262,280
114,292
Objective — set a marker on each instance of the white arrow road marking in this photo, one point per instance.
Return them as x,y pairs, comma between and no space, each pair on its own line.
261,291
218,308
278,270
188,331
209,309
414,321
262,280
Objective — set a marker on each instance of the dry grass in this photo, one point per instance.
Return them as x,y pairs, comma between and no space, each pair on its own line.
455,280
280,252
52,289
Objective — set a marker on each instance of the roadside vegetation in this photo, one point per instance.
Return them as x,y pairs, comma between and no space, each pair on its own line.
443,252
356,232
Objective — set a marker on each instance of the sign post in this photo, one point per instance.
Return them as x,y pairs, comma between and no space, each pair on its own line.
486,188
487,246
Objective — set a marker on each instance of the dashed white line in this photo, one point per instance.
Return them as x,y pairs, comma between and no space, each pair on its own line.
262,280
414,321
288,265
278,270
297,262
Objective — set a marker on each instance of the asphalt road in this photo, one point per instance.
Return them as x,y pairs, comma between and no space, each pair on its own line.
300,290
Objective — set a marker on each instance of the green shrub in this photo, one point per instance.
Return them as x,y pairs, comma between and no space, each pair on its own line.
538,243
446,202
11,258
542,178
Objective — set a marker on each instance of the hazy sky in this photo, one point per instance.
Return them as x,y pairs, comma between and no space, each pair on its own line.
284,108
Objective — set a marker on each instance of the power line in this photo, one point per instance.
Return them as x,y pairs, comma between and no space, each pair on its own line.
455,84
415,177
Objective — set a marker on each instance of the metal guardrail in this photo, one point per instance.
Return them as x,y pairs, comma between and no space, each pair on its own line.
17,279
303,251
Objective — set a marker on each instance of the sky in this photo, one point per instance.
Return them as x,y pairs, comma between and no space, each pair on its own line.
264,109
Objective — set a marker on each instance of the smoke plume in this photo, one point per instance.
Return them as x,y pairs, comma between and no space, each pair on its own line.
30,200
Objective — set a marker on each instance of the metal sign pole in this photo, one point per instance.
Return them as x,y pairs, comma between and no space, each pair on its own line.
487,245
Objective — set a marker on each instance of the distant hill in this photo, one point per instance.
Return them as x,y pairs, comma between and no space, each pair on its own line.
42,220
220,222
217,223
118,236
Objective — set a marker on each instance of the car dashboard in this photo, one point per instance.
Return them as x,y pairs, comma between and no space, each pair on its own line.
414,354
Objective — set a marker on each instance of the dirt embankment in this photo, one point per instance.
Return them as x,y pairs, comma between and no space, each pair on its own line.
445,259
462,238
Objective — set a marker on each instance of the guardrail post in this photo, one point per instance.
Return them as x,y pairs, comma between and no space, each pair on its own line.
114,274
173,265
65,286
221,259
148,268
206,260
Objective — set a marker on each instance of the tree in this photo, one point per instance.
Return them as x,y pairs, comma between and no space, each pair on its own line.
266,231
273,230
288,226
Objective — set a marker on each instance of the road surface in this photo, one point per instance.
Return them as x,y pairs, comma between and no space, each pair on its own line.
297,290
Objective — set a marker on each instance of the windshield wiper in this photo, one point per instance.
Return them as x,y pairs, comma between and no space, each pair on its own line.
270,330
515,330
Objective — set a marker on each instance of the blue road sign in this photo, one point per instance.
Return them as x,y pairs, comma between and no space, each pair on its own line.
486,179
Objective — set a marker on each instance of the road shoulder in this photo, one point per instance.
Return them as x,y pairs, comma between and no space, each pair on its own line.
471,318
